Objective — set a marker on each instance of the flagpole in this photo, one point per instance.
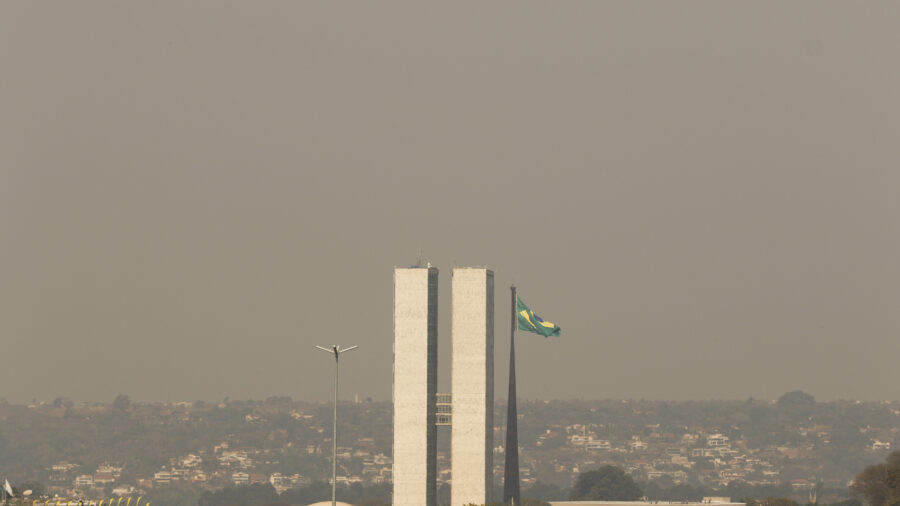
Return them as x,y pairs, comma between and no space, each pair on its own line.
511,493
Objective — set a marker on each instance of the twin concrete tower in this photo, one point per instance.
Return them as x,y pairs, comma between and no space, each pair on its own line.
415,386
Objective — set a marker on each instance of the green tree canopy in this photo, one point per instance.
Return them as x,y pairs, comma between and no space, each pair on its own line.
122,402
609,483
545,491
879,484
797,398
771,501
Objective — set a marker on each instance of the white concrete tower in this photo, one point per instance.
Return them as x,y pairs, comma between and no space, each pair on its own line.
472,378
415,386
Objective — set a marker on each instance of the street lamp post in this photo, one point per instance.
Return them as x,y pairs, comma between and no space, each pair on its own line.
336,350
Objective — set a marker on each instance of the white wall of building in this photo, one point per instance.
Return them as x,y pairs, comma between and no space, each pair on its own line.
415,386
472,378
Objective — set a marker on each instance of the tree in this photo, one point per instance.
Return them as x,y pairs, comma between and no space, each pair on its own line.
62,402
122,402
176,494
527,501
245,495
314,492
879,484
609,483
36,487
797,398
771,501
545,491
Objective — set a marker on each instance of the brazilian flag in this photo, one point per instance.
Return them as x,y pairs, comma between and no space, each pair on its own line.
531,322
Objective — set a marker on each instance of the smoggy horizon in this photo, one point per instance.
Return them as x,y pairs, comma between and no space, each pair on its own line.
703,196
348,398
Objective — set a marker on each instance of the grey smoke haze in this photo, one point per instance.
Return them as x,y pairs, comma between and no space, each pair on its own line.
703,195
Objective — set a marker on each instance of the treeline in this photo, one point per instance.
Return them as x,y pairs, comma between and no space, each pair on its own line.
663,490
621,487
761,423
144,437
265,495
738,491
356,494
879,484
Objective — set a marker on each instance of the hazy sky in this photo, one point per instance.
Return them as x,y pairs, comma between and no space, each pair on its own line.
703,195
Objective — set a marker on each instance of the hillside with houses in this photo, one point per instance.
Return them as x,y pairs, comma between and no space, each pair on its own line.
795,444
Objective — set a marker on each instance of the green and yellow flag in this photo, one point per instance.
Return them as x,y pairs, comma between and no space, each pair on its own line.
531,322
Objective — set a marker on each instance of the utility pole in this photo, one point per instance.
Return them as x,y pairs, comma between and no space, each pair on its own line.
336,350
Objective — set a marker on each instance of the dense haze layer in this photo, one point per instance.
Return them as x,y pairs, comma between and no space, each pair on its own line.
703,195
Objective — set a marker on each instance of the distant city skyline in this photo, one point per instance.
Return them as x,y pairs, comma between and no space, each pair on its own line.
811,445
704,196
